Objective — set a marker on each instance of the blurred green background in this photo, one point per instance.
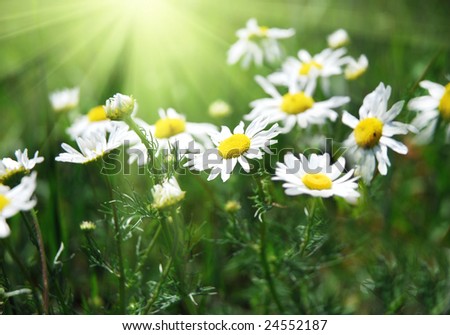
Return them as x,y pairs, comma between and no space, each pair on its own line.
170,53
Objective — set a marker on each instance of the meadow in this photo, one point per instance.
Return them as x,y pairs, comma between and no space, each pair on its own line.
162,234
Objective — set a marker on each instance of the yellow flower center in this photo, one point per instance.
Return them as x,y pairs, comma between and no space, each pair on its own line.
234,146
263,30
317,181
368,132
444,104
97,114
306,67
166,128
296,103
355,74
4,201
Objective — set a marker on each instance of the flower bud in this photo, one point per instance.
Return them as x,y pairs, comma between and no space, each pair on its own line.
119,106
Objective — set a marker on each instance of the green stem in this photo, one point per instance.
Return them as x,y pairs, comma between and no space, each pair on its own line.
266,266
157,289
43,258
118,248
24,271
149,248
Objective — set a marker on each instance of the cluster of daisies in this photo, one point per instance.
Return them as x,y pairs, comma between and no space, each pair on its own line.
291,104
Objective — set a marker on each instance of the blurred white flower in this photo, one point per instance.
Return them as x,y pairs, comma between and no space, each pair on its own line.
295,107
356,68
9,166
338,39
256,43
219,109
429,108
372,134
316,177
170,132
235,147
305,67
95,145
14,200
119,106
65,100
167,194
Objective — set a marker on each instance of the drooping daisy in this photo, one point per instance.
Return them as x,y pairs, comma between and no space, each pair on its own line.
295,107
338,39
65,100
356,68
94,120
316,177
429,108
236,147
257,43
119,106
325,64
372,134
95,145
167,193
10,167
14,200
170,132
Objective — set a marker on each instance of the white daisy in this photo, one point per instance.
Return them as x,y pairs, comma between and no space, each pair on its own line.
325,64
167,193
356,68
94,120
295,107
316,177
9,166
65,100
14,200
257,43
219,109
338,39
429,108
170,132
94,145
372,135
235,147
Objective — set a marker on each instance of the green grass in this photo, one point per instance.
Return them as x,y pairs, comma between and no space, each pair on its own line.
388,255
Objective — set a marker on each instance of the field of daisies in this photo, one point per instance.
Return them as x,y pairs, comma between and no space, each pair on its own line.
290,157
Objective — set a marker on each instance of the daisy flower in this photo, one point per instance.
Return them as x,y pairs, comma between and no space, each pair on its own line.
356,68
95,145
10,167
429,109
256,43
372,134
94,120
65,100
237,147
325,64
316,177
295,107
172,131
14,200
219,109
167,193
338,39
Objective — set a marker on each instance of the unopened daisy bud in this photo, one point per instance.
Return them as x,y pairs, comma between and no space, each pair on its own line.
119,106
167,194
232,206
219,109
87,226
356,68
338,39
